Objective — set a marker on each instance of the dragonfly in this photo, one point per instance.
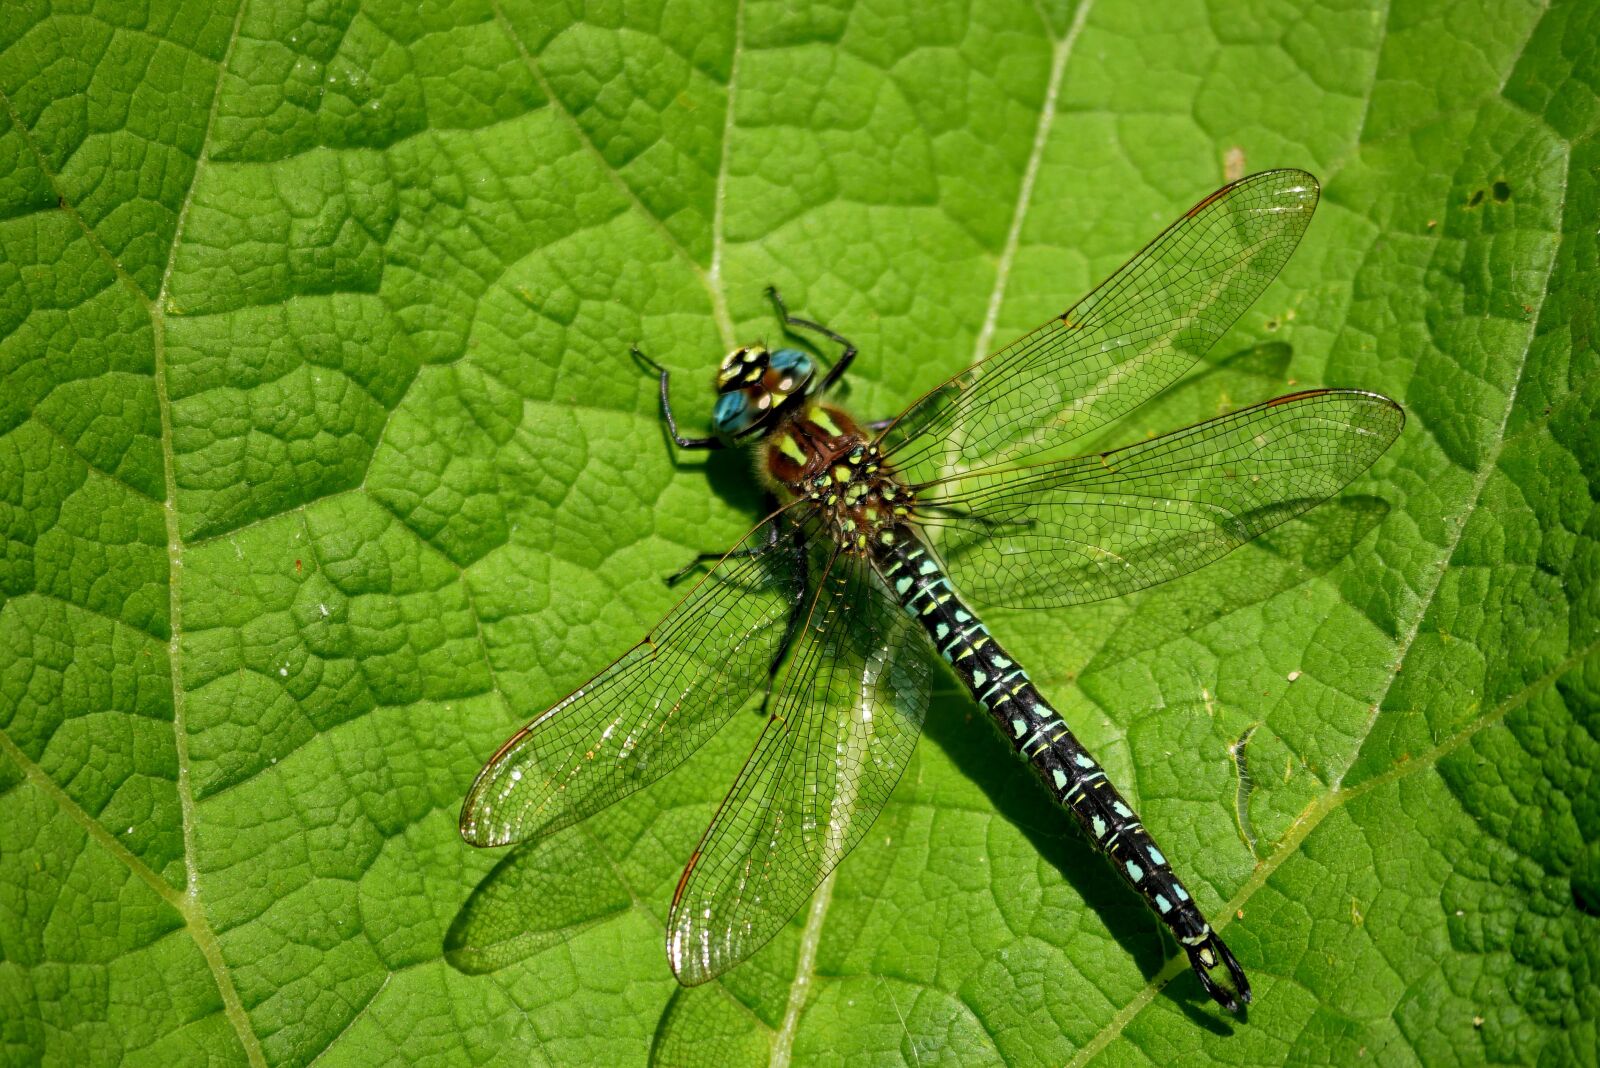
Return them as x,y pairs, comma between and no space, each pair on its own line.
880,542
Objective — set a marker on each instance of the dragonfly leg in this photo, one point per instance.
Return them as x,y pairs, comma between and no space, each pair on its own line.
797,604
793,320
666,409
770,506
797,612
989,524
701,559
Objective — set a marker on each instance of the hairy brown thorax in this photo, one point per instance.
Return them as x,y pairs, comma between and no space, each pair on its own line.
823,455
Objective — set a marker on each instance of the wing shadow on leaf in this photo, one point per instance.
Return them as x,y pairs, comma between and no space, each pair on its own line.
1299,550
1219,385
707,1025
532,900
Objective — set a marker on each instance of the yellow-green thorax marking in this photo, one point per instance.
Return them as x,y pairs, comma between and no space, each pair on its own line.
823,455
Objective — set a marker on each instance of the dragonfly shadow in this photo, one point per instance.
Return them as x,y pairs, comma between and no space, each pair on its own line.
530,901
1309,545
728,471
956,726
1202,1011
1220,384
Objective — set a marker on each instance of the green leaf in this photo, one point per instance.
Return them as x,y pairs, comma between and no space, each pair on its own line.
323,465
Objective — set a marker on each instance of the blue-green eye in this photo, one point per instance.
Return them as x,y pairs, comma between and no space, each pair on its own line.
791,361
732,414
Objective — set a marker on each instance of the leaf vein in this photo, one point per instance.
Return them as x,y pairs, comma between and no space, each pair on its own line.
205,938
615,177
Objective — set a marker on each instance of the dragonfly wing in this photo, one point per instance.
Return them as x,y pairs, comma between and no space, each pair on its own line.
1120,345
1079,530
656,704
851,711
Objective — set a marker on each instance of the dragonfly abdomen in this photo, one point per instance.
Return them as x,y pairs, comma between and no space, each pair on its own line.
1043,739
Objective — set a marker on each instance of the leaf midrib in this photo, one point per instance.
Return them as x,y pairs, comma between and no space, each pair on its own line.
186,903
709,280
198,925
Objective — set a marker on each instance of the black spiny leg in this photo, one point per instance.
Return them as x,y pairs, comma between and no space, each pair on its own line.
988,524
797,611
666,409
797,607
807,324
770,506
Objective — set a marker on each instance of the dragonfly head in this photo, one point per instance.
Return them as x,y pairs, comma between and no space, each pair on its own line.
755,385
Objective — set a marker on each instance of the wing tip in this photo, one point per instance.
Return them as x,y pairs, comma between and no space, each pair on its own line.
1378,401
472,831
1291,181
1301,188
688,968
482,828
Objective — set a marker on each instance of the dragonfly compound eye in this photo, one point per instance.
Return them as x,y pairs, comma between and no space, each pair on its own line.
745,364
733,413
793,366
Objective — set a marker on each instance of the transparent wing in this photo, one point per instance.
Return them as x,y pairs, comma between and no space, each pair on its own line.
656,704
1120,345
852,707
1097,526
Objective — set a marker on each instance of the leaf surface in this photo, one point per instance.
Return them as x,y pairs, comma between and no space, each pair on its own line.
323,466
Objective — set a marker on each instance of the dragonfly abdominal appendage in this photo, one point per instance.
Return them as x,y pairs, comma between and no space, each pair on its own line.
1205,953
883,540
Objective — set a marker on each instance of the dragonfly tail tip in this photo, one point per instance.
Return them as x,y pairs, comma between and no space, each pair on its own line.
1207,955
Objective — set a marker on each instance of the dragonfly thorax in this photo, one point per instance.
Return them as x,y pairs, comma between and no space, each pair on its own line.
822,455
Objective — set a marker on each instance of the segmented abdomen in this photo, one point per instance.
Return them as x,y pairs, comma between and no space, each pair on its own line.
1036,731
